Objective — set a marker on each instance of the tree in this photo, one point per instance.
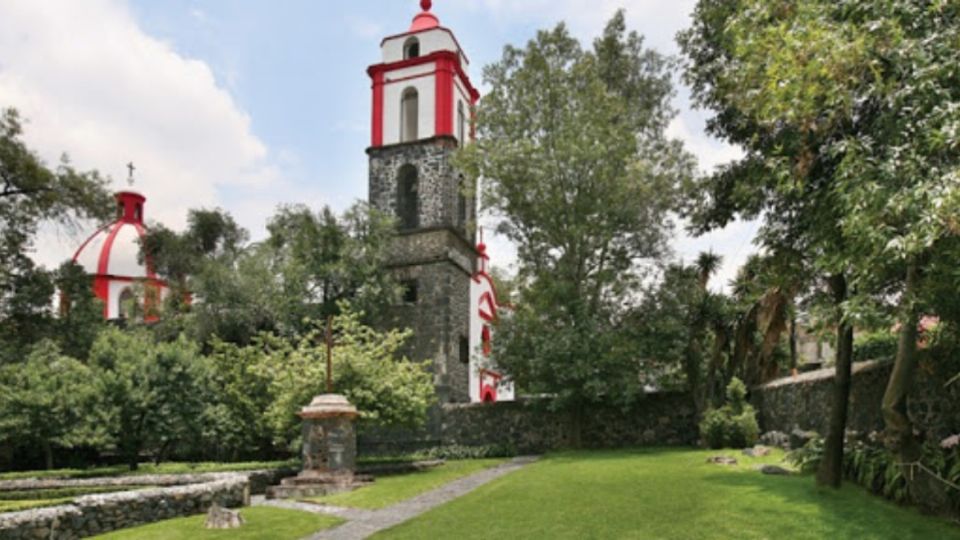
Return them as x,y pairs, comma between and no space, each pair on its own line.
31,194
386,389
747,62
50,401
573,156
152,391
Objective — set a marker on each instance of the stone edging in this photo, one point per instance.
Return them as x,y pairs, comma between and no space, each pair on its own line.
90,515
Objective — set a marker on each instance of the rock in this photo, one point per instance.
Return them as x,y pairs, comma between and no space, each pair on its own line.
773,469
756,451
219,517
776,438
722,460
799,437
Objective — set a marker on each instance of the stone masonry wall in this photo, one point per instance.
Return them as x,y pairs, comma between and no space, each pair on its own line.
661,419
805,401
91,515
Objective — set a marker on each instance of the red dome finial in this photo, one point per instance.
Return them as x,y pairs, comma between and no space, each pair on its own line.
424,20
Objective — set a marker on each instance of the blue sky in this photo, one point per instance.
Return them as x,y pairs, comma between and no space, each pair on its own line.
249,104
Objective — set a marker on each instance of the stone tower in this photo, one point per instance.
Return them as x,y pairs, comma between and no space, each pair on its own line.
422,98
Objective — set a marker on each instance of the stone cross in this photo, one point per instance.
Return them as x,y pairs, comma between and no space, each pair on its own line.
328,339
130,168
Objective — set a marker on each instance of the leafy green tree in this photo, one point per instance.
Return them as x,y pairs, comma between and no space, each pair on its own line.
152,392
31,194
862,91
51,401
748,64
80,318
386,389
573,156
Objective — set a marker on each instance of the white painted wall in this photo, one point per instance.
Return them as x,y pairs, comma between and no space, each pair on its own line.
393,93
431,41
505,392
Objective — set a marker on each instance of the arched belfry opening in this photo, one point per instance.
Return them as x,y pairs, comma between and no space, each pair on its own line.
409,115
411,48
408,201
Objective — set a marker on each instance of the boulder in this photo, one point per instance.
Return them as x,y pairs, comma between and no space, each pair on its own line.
800,437
722,460
773,469
756,451
219,517
778,439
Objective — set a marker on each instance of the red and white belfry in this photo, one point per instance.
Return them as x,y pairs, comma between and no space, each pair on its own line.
110,255
487,382
421,89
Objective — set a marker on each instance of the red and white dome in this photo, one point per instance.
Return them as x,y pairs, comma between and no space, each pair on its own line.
110,255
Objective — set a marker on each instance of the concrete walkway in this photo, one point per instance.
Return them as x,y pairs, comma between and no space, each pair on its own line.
364,523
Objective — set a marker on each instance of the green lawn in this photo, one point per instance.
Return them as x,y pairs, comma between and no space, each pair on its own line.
262,523
666,494
389,490
150,468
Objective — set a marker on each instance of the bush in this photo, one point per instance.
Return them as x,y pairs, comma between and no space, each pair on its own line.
874,346
807,457
734,424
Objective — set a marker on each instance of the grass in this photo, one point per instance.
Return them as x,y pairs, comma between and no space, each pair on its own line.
262,523
389,490
27,504
150,468
666,494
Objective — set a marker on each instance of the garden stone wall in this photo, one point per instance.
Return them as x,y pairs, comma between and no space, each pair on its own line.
660,419
805,401
90,515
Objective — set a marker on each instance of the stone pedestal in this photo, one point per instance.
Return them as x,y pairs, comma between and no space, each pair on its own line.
329,451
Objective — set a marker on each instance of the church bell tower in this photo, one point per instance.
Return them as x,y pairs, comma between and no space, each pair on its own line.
422,101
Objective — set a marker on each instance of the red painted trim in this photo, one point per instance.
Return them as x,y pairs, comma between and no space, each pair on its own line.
104,260
101,289
410,78
377,128
87,241
443,116
432,57
443,28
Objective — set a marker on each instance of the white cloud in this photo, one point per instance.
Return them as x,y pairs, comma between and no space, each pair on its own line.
92,84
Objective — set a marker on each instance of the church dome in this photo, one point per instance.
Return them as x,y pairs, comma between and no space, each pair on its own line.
113,250
110,256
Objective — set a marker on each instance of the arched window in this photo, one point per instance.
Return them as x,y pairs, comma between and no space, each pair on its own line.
411,48
138,213
408,202
461,124
127,307
409,115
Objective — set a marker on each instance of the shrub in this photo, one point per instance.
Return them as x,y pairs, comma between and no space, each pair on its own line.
874,346
734,424
807,457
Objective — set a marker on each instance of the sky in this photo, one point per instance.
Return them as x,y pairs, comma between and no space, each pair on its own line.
246,104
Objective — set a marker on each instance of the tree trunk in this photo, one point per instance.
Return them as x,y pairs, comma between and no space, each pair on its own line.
899,436
48,455
793,344
576,427
830,472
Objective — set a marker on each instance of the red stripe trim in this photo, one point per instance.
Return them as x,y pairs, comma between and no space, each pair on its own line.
88,240
104,260
376,138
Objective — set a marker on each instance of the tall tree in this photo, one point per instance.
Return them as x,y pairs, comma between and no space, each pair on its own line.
746,65
31,194
573,156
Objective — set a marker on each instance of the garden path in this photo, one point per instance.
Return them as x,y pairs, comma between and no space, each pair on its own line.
364,523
